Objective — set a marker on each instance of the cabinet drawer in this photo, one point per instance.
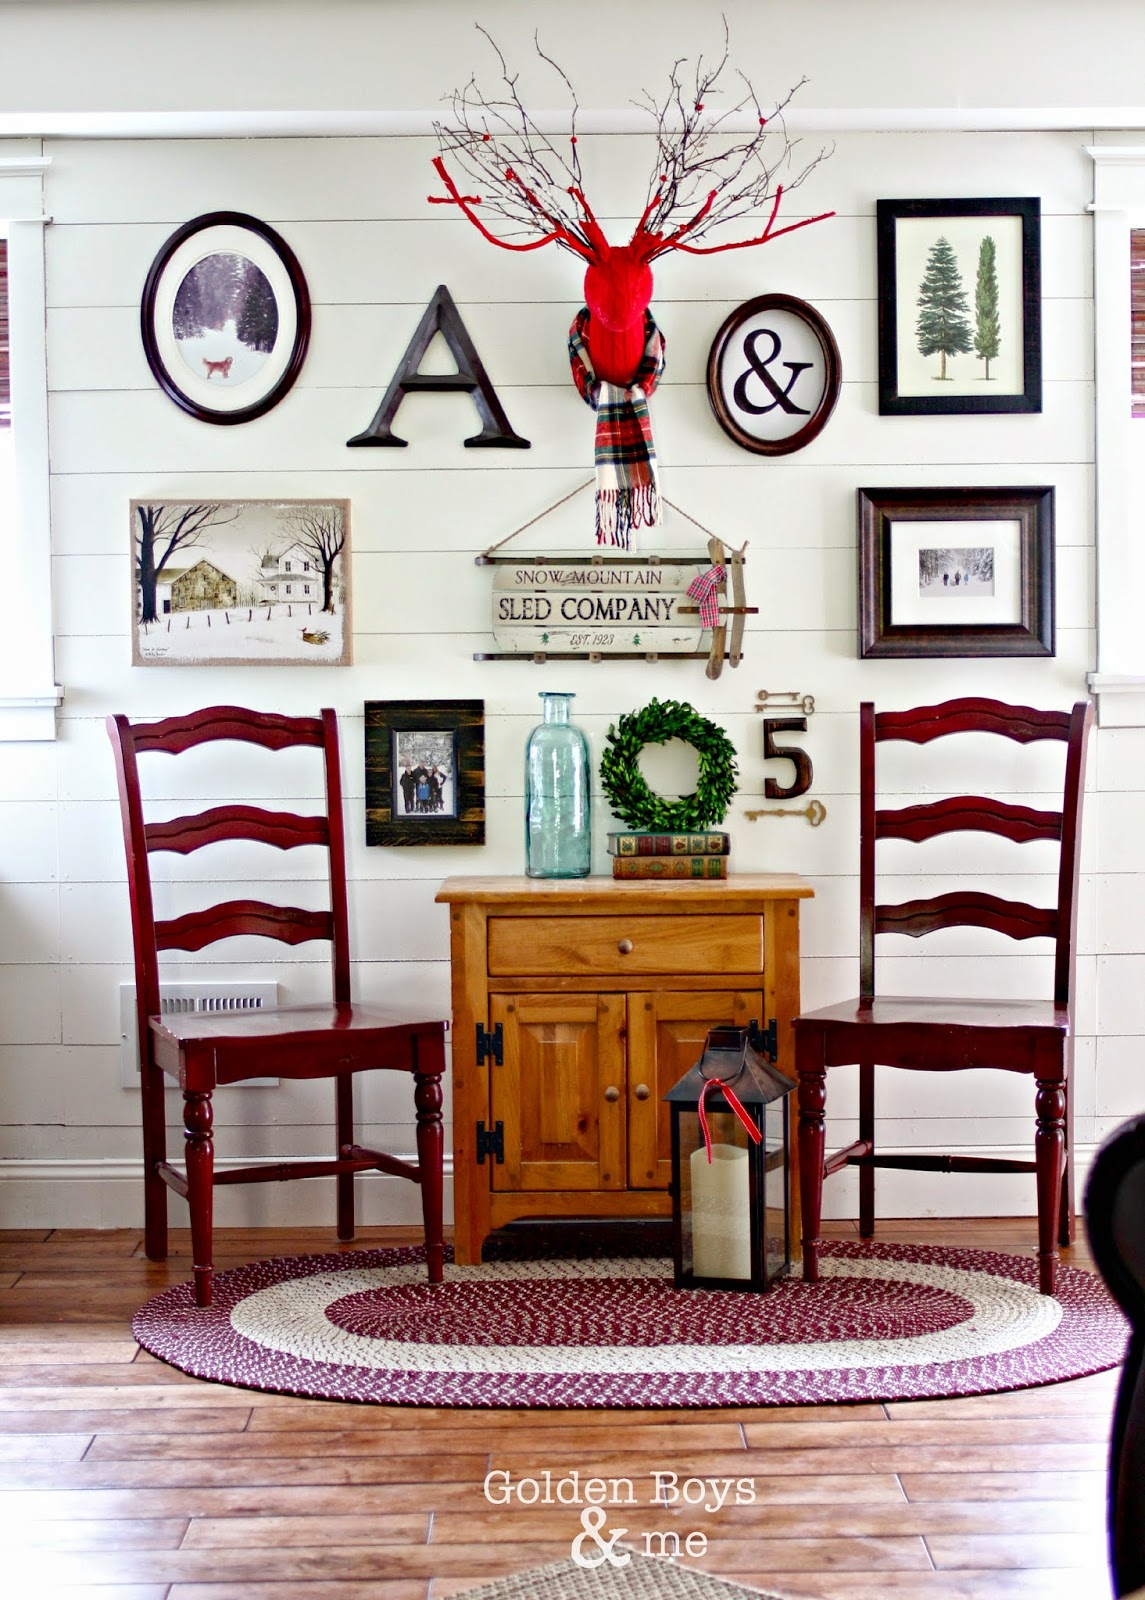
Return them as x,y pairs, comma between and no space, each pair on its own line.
574,946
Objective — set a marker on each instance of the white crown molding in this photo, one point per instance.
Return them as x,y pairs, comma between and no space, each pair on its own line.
332,123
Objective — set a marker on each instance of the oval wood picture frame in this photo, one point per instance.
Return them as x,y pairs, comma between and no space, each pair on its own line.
733,400
225,317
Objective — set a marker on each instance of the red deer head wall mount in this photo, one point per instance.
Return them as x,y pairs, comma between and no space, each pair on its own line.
531,193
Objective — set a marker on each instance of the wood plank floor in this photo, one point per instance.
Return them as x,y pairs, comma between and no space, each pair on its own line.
121,1479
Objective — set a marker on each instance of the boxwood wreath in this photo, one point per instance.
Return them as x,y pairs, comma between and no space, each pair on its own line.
627,791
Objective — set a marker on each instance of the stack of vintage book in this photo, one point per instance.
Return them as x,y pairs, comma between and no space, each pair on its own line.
669,855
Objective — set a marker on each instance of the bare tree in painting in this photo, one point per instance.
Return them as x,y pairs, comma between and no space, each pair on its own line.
163,532
320,530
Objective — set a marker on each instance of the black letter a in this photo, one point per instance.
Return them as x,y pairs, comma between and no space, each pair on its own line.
442,316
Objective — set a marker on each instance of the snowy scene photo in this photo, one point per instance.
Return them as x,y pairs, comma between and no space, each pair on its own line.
225,317
966,570
240,582
423,773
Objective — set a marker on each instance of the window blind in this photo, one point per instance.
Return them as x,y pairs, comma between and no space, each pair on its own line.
1137,310
5,383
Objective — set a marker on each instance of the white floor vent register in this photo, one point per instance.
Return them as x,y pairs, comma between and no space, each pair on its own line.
184,997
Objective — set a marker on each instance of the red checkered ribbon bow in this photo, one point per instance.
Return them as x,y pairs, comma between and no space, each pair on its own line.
705,589
736,1105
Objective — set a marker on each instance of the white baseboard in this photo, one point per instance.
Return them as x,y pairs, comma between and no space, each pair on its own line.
109,1194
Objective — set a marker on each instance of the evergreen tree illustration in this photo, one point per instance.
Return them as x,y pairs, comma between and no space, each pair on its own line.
943,316
987,333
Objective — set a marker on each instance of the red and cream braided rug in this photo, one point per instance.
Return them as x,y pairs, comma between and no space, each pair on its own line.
886,1322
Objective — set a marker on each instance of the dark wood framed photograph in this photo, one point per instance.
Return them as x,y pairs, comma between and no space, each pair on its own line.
773,374
956,572
960,306
225,317
425,772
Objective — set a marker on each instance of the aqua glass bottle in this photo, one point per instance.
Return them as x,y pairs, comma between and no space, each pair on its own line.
558,795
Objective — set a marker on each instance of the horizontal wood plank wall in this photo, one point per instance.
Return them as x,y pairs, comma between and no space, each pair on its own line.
373,251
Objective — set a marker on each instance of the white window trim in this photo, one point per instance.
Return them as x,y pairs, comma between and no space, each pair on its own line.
29,694
1118,685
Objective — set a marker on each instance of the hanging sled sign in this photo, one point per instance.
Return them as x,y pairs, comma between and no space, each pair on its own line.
605,608
577,608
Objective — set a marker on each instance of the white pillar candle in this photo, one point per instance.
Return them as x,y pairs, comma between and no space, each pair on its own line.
721,1213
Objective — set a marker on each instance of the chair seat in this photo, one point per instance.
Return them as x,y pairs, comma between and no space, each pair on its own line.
941,1034
939,1011
207,1048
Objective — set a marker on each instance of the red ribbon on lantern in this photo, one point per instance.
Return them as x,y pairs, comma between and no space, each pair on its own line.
736,1105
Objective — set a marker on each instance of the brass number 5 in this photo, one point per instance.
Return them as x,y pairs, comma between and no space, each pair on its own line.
799,759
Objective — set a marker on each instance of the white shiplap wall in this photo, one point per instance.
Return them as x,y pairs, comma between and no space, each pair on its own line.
354,211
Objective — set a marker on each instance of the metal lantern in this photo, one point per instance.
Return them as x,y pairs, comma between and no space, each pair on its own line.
730,1141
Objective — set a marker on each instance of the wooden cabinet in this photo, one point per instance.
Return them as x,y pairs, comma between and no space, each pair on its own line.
576,1005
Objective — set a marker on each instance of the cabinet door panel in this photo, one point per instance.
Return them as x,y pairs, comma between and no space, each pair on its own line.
563,1054
666,1038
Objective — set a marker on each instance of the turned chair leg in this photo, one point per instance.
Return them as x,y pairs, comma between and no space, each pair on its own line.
1049,1157
429,1066
344,1142
197,1120
1067,1217
812,1146
867,1133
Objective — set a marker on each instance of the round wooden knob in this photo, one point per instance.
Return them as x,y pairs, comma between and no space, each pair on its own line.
612,1092
642,1091
625,947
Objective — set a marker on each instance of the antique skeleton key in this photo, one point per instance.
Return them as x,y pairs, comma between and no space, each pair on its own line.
814,811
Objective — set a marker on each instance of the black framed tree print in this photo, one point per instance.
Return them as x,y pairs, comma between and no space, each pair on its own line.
959,306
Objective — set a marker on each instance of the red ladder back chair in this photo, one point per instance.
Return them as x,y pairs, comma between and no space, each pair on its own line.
203,1050
942,1035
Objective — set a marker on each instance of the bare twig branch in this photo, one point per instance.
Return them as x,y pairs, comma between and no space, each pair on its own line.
531,189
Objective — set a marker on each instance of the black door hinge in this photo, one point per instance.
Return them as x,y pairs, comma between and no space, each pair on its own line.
490,1046
491,1142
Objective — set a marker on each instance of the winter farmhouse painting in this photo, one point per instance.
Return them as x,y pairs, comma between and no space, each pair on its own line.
241,582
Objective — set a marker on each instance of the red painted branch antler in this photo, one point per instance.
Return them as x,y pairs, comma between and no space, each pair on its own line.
466,202
702,172
769,233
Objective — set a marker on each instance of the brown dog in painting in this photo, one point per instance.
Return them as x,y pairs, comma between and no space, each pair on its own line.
220,368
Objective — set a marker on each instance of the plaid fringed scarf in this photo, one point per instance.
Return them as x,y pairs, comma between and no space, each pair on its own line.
627,490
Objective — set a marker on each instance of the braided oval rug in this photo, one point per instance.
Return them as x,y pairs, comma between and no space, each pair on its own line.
640,1578
885,1322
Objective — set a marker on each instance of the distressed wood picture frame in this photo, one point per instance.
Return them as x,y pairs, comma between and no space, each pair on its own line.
956,572
425,772
960,306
